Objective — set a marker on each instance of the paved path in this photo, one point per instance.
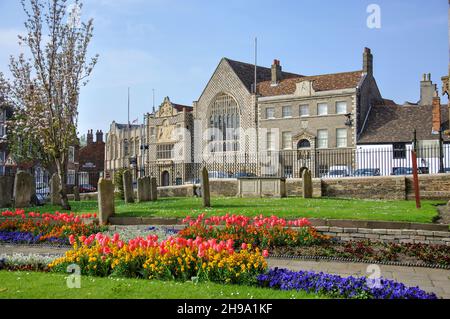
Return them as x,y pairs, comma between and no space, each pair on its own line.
428,279
6,249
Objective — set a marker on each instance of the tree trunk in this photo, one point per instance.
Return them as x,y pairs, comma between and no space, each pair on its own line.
62,185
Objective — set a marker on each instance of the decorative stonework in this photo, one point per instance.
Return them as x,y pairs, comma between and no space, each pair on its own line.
304,88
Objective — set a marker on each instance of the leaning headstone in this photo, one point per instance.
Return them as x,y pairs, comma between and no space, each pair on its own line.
105,200
76,193
23,189
55,196
307,184
6,190
205,188
147,188
141,195
153,189
128,187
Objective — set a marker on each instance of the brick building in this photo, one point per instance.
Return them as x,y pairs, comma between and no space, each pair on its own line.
91,159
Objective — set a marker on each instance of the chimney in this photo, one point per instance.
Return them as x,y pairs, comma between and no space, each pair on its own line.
427,90
368,61
90,137
436,112
276,72
99,136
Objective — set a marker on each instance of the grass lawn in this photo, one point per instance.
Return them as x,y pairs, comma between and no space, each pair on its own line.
35,285
283,207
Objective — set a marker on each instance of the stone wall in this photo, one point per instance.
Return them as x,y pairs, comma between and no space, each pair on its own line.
294,187
176,191
385,187
435,186
6,190
223,187
388,235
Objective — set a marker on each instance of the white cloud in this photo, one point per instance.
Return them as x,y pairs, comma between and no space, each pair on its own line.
122,68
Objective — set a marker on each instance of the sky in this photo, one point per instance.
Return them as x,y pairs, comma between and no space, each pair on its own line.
174,46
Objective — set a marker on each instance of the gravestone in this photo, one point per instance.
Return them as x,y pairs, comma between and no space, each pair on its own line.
76,193
153,189
23,189
105,200
141,194
128,187
55,196
307,184
6,190
206,198
147,188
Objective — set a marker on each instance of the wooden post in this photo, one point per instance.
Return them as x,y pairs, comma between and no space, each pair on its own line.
416,178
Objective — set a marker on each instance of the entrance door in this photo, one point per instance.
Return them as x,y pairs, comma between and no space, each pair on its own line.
165,178
303,155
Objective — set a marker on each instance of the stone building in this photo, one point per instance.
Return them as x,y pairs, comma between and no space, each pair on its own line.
169,136
123,148
289,112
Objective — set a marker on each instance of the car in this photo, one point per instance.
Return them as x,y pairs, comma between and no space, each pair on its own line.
242,174
338,171
43,190
447,170
367,172
218,174
402,171
87,188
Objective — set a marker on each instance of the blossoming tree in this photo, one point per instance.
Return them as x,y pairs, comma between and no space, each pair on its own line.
46,83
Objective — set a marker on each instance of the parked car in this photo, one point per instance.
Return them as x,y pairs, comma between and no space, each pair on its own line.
218,174
367,172
87,188
242,174
338,171
402,171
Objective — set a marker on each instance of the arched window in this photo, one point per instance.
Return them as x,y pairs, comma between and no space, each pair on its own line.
304,144
224,119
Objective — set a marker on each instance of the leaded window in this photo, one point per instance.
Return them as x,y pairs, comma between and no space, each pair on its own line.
224,124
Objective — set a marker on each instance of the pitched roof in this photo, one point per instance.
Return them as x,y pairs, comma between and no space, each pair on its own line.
396,123
180,107
246,73
325,82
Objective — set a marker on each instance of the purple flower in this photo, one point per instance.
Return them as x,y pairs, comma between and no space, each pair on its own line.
336,286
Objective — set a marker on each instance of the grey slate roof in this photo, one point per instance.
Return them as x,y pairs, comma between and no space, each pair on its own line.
396,123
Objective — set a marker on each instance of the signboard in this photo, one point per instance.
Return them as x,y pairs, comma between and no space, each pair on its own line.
10,161
89,165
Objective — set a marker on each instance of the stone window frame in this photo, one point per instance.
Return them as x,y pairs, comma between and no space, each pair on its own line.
283,146
283,113
224,114
71,154
267,113
165,151
71,176
319,138
346,107
272,146
340,129
319,104
300,110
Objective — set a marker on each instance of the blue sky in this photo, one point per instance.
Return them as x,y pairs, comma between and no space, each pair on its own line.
174,46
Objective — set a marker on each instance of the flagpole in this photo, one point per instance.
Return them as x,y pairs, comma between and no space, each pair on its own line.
128,107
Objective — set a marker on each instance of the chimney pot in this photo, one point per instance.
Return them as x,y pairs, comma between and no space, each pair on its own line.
276,72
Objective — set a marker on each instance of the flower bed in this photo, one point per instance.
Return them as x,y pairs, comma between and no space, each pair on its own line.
19,227
336,286
373,251
261,231
174,258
